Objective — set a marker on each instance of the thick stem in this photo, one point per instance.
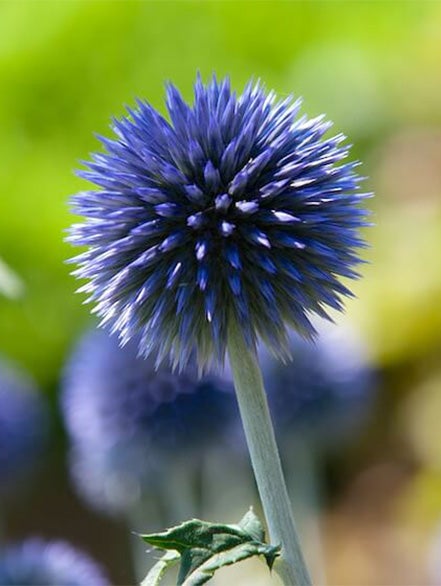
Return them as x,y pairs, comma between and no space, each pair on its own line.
265,459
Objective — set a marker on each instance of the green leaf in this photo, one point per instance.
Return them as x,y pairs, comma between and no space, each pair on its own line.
205,547
205,571
167,561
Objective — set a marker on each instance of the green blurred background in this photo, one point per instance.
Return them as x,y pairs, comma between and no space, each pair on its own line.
67,67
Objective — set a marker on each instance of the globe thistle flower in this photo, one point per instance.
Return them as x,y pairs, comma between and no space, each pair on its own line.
24,425
326,391
35,562
128,420
238,209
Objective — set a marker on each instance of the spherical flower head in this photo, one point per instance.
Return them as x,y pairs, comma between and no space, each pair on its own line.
128,419
36,562
327,390
237,208
24,425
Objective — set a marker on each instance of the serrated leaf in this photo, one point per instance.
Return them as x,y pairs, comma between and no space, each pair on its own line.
168,560
251,524
206,571
206,547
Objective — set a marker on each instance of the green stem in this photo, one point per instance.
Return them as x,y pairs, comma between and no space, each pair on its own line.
265,459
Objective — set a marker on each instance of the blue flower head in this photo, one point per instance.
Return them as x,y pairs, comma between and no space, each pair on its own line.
326,392
237,208
24,423
127,419
53,563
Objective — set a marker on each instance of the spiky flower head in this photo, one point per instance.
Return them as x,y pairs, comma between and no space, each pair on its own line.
35,562
237,208
128,420
327,390
24,423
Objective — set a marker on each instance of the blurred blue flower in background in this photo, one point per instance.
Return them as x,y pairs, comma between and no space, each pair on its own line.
24,425
36,562
327,390
238,209
128,421
318,401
